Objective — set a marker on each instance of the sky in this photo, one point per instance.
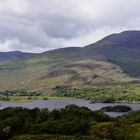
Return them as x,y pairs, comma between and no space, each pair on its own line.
41,25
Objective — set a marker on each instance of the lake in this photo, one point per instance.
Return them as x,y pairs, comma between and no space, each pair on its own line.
57,104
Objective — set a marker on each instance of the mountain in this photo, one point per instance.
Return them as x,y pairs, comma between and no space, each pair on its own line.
114,60
15,55
122,49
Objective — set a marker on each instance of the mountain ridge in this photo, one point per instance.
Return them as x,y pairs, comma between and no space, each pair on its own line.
15,55
103,63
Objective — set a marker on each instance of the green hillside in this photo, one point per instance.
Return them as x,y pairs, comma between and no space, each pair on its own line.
122,49
45,73
112,61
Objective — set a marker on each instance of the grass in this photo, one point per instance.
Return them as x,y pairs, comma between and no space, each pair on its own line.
42,74
32,98
52,137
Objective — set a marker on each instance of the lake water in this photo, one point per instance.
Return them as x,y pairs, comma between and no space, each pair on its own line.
57,104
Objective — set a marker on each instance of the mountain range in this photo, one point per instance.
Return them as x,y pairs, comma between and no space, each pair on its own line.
113,60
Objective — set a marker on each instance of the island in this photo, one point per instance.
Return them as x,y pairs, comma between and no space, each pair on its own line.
117,108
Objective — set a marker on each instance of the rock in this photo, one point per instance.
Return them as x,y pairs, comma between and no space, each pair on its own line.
7,132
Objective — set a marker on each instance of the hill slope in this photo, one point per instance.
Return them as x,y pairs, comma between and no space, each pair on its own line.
122,49
44,75
110,61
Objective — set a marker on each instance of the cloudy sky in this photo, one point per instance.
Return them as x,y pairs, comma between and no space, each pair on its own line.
40,25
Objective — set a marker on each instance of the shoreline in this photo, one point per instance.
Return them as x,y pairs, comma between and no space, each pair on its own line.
45,98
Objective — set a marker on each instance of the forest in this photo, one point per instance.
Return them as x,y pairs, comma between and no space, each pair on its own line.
69,123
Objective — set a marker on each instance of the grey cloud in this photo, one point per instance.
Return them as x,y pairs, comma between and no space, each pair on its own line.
39,25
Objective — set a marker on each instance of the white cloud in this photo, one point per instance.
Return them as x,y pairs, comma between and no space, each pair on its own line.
40,25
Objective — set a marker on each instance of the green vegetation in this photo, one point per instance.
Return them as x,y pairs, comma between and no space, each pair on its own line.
72,120
69,123
18,95
106,94
121,49
47,72
50,137
117,108
8,93
99,94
